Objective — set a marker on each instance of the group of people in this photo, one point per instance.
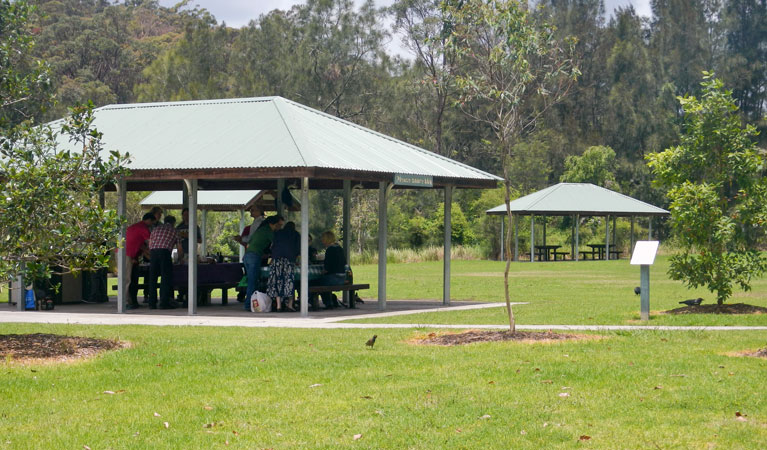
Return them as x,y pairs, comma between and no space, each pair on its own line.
272,237
154,240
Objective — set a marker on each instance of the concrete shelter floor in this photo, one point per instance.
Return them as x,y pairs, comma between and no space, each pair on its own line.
235,309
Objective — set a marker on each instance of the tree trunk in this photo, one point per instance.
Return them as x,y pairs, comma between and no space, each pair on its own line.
507,246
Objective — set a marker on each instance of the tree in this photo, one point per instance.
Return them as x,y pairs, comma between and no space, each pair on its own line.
718,191
514,70
49,196
596,165
24,90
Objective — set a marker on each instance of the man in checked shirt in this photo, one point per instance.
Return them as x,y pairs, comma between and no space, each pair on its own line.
161,243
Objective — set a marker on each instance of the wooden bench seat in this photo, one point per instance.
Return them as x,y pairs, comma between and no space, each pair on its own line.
351,288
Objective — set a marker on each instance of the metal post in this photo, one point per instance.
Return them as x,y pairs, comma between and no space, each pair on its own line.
516,237
532,238
631,243
191,185
544,233
304,247
242,226
280,205
649,228
204,231
572,240
607,238
122,257
644,286
577,235
448,241
382,231
346,237
18,291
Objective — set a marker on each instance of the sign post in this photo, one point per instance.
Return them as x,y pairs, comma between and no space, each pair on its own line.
644,256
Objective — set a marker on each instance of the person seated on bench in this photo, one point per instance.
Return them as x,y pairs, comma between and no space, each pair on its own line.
286,246
334,265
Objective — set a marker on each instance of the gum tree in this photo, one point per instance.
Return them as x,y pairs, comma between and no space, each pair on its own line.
716,184
49,195
513,70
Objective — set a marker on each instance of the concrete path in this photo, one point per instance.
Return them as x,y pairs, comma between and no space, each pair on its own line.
255,321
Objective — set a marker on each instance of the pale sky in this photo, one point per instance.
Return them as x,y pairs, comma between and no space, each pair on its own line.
237,13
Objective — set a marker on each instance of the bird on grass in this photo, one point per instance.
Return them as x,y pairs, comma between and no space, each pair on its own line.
371,342
637,290
692,302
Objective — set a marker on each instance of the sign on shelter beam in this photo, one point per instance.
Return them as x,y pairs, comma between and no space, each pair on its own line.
413,180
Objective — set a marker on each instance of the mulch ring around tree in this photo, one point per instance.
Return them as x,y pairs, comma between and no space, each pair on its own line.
52,348
737,308
474,336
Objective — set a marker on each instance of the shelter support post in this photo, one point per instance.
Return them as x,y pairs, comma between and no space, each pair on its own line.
615,232
280,205
631,242
544,230
242,226
346,237
516,236
577,236
304,247
122,257
18,291
383,188
572,239
532,238
607,238
204,231
191,185
649,228
448,242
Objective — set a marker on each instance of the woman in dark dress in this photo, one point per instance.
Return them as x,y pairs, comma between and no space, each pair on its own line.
286,246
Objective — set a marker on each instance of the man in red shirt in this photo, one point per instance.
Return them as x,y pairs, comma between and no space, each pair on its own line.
136,237
161,242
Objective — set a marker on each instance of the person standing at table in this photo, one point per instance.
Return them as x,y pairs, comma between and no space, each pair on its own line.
258,218
161,242
286,246
183,231
258,244
136,239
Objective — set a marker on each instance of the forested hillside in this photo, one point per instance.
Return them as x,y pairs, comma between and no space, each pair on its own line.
332,56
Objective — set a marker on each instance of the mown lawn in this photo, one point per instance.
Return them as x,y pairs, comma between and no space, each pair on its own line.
586,292
280,388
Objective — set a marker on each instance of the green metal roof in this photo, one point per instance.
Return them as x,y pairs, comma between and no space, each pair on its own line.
261,133
579,198
210,200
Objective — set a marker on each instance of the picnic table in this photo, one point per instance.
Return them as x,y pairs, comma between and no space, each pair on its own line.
598,252
549,252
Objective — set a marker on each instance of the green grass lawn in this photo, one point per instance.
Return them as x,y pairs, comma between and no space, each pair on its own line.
253,388
586,292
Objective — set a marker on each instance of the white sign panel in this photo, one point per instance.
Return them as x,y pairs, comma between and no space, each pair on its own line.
644,253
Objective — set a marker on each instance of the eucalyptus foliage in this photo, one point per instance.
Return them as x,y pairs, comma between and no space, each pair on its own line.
718,193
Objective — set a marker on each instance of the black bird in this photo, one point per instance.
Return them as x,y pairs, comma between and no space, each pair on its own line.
637,290
371,342
692,302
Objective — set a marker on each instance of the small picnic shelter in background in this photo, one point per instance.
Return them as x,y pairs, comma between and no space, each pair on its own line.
270,143
575,200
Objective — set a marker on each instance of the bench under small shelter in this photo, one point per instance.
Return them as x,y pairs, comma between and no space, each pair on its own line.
269,143
576,200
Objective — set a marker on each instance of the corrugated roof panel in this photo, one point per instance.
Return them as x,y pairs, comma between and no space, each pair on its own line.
575,198
268,132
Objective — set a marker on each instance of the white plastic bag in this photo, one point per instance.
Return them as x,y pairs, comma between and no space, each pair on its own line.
260,302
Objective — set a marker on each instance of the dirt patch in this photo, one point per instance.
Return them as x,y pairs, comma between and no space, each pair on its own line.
737,308
474,336
51,348
761,353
